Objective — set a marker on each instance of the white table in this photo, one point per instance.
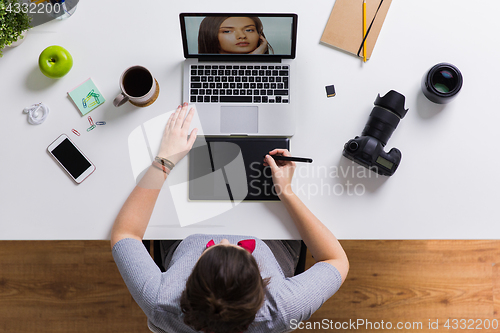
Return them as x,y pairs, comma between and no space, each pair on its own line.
445,187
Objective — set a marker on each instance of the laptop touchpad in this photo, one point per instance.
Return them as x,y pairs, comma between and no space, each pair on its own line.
239,119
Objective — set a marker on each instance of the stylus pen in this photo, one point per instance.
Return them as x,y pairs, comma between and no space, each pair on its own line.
292,159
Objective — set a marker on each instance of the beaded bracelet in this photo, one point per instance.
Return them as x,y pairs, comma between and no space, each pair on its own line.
161,167
164,162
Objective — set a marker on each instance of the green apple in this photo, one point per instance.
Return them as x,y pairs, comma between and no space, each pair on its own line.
55,61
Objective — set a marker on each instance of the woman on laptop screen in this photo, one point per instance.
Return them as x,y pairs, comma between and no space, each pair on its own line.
232,35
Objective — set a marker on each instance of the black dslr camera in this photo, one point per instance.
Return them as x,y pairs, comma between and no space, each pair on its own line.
368,149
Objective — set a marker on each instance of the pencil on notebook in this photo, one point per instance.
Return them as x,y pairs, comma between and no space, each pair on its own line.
364,30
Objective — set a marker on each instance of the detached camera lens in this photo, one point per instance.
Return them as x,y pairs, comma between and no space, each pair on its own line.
442,83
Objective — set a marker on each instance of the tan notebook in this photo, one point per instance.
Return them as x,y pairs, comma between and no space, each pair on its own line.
344,28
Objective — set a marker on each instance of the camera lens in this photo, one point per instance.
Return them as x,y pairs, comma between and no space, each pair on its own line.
385,116
442,83
380,125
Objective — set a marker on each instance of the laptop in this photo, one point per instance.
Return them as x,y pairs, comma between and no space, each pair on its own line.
239,72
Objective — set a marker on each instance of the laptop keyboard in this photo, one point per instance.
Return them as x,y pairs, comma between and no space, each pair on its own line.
239,84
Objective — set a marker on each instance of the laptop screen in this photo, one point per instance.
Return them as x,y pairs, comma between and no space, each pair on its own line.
239,35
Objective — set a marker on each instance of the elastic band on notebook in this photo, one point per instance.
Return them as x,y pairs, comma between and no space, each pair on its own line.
369,28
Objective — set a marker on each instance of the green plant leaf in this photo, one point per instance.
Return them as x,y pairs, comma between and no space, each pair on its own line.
12,23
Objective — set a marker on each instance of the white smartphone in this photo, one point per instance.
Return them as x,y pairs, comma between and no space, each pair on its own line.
71,158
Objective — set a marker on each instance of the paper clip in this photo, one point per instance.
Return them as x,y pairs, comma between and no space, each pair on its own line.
100,123
91,128
90,121
75,131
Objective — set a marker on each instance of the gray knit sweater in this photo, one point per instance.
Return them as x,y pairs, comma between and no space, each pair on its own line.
288,300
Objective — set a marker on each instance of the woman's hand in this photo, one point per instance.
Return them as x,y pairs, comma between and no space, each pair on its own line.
135,214
262,48
282,171
175,143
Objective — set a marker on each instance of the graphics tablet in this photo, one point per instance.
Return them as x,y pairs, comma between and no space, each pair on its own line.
222,168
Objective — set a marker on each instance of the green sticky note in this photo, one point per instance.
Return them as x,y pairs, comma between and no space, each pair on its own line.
86,97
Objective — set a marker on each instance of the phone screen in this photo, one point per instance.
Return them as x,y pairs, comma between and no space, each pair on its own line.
67,154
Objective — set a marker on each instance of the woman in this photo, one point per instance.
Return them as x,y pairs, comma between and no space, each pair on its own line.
223,284
232,35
